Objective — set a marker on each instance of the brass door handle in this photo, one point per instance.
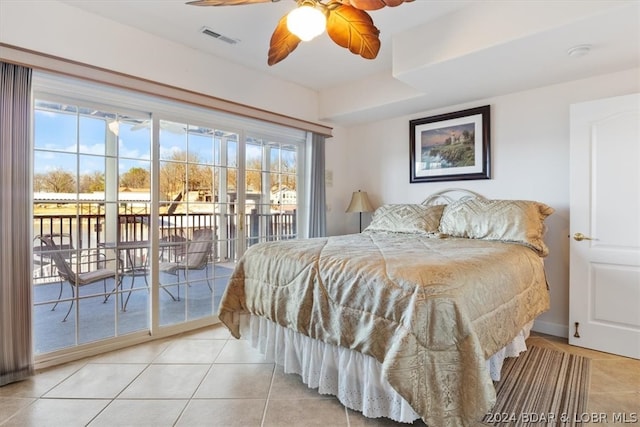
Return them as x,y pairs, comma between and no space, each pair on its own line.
580,237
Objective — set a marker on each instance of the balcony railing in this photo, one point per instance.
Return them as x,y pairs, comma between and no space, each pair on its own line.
87,231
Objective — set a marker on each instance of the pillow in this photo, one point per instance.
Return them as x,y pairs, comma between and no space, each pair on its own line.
406,218
518,221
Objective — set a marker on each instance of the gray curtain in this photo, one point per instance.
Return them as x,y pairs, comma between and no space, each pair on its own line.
317,205
16,358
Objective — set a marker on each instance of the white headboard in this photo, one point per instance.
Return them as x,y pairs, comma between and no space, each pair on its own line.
445,197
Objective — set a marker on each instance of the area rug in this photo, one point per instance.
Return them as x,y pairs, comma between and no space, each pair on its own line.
542,387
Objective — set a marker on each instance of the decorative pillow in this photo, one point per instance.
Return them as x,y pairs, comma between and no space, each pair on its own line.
406,218
518,221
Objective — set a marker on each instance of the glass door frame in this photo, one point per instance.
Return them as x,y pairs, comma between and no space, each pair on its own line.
112,99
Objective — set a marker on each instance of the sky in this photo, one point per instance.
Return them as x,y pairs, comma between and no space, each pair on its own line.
74,139
78,143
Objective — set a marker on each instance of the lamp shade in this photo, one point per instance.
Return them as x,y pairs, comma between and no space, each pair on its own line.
359,202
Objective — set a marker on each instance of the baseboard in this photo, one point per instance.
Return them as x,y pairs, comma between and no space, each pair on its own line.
555,329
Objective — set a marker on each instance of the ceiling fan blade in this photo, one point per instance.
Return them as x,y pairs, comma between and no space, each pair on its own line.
353,29
225,2
282,42
373,4
142,125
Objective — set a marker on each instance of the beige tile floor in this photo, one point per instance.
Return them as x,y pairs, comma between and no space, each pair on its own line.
207,378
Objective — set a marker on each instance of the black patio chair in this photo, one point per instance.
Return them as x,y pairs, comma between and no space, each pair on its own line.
75,279
196,258
42,258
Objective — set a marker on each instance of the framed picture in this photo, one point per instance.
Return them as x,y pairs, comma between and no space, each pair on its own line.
450,147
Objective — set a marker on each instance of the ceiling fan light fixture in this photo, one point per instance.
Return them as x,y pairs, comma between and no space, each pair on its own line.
306,21
346,21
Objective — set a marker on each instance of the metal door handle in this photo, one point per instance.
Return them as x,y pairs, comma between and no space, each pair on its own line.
580,237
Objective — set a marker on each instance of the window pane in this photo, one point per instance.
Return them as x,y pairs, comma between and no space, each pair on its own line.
232,177
201,144
55,173
55,127
134,138
173,177
254,156
274,163
232,152
173,139
200,179
93,131
289,159
217,142
135,176
92,175
253,182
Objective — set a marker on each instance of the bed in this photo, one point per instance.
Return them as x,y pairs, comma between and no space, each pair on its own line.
410,318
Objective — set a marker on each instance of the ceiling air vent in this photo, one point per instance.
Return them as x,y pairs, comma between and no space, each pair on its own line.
208,31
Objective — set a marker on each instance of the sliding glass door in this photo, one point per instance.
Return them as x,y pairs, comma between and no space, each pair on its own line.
219,193
198,217
140,215
91,187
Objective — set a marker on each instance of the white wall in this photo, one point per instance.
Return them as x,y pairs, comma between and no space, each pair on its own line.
530,160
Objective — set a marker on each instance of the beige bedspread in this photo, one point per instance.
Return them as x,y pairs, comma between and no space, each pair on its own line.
431,311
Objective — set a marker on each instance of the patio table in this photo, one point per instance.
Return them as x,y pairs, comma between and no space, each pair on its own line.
132,261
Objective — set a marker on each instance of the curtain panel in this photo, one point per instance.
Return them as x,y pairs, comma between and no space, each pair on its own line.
317,195
16,358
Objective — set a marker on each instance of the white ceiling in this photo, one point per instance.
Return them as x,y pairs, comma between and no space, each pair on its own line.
446,51
311,65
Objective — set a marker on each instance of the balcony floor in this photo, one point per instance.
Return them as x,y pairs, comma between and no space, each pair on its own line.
102,320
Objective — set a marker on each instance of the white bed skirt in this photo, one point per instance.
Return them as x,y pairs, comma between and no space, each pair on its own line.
354,378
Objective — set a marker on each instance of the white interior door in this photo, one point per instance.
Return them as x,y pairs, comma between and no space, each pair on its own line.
604,310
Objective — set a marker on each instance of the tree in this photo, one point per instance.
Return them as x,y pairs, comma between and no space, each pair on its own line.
57,181
181,173
254,176
232,179
92,182
172,178
136,178
200,177
39,182
289,178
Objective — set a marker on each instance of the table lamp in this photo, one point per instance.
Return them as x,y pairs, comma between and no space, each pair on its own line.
359,203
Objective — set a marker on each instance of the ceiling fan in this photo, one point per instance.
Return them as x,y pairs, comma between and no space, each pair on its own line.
346,21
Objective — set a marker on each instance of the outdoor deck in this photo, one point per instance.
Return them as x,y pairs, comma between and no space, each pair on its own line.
101,320
87,246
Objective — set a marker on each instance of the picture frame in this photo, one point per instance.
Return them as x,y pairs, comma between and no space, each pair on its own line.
451,147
